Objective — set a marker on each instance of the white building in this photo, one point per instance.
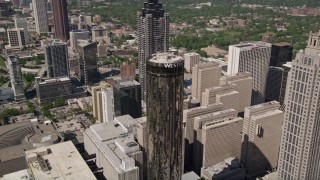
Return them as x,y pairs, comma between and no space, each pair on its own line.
116,150
107,104
58,161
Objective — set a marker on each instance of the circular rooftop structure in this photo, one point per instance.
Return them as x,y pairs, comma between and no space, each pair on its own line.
43,139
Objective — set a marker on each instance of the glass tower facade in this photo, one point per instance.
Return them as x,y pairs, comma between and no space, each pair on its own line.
165,75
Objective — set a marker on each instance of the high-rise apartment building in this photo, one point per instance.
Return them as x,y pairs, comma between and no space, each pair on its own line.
261,138
40,16
15,77
88,61
60,19
165,76
76,35
251,57
153,36
204,76
17,38
190,60
56,54
22,23
300,142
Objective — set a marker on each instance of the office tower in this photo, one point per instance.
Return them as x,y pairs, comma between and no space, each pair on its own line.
60,19
190,60
164,116
88,61
199,124
243,84
76,35
22,23
56,54
16,37
221,133
204,76
127,98
97,101
40,16
25,3
286,68
128,70
299,151
153,36
254,58
274,83
280,54
49,90
99,34
107,103
15,3
261,138
4,8
101,50
15,77
188,119
225,94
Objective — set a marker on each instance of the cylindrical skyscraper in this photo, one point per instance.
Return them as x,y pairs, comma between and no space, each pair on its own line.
164,116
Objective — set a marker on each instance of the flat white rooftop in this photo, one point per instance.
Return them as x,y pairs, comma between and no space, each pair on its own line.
65,162
23,174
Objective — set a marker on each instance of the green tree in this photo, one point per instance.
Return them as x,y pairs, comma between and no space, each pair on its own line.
59,102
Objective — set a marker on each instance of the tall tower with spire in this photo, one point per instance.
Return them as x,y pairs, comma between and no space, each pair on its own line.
300,143
153,36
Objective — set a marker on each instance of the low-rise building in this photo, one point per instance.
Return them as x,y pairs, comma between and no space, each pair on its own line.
17,38
230,169
58,161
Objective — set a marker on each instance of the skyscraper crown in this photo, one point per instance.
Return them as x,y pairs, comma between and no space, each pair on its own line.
314,40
